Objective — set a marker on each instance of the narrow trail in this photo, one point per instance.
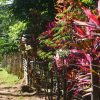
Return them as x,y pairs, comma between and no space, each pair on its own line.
14,93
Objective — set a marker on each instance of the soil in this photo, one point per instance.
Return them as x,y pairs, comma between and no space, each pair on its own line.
14,93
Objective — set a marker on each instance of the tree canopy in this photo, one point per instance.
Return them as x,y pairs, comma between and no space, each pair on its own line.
19,17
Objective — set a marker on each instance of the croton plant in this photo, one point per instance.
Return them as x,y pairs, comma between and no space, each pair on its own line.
83,55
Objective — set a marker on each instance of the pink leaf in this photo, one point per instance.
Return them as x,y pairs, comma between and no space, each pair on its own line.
88,32
75,51
99,7
89,58
58,60
88,29
80,23
92,17
57,57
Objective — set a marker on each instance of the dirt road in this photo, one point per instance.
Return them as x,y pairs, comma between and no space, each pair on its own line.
13,93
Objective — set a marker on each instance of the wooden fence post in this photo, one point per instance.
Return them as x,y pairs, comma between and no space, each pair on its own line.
25,71
95,82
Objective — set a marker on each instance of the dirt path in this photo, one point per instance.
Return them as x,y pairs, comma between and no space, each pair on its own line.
13,93
9,91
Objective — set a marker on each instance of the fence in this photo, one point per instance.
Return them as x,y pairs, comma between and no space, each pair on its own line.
13,62
57,86
55,83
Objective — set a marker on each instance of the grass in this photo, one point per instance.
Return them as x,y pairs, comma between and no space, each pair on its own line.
7,79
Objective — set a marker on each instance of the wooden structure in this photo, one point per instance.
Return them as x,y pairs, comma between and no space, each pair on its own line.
13,62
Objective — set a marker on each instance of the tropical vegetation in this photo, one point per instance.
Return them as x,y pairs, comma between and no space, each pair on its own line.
63,31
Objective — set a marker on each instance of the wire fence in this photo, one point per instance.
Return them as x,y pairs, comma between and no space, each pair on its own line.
66,83
60,84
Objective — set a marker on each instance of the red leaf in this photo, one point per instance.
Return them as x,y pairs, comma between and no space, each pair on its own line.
81,32
92,17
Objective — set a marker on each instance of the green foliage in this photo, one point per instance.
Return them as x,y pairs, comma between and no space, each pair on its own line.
11,30
27,9
87,1
37,13
16,16
90,3
45,55
7,46
3,1
5,18
15,31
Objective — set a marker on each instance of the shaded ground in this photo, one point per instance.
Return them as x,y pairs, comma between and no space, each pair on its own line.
13,93
10,89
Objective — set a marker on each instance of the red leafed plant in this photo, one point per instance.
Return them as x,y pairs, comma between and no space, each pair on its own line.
88,42
83,50
84,54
